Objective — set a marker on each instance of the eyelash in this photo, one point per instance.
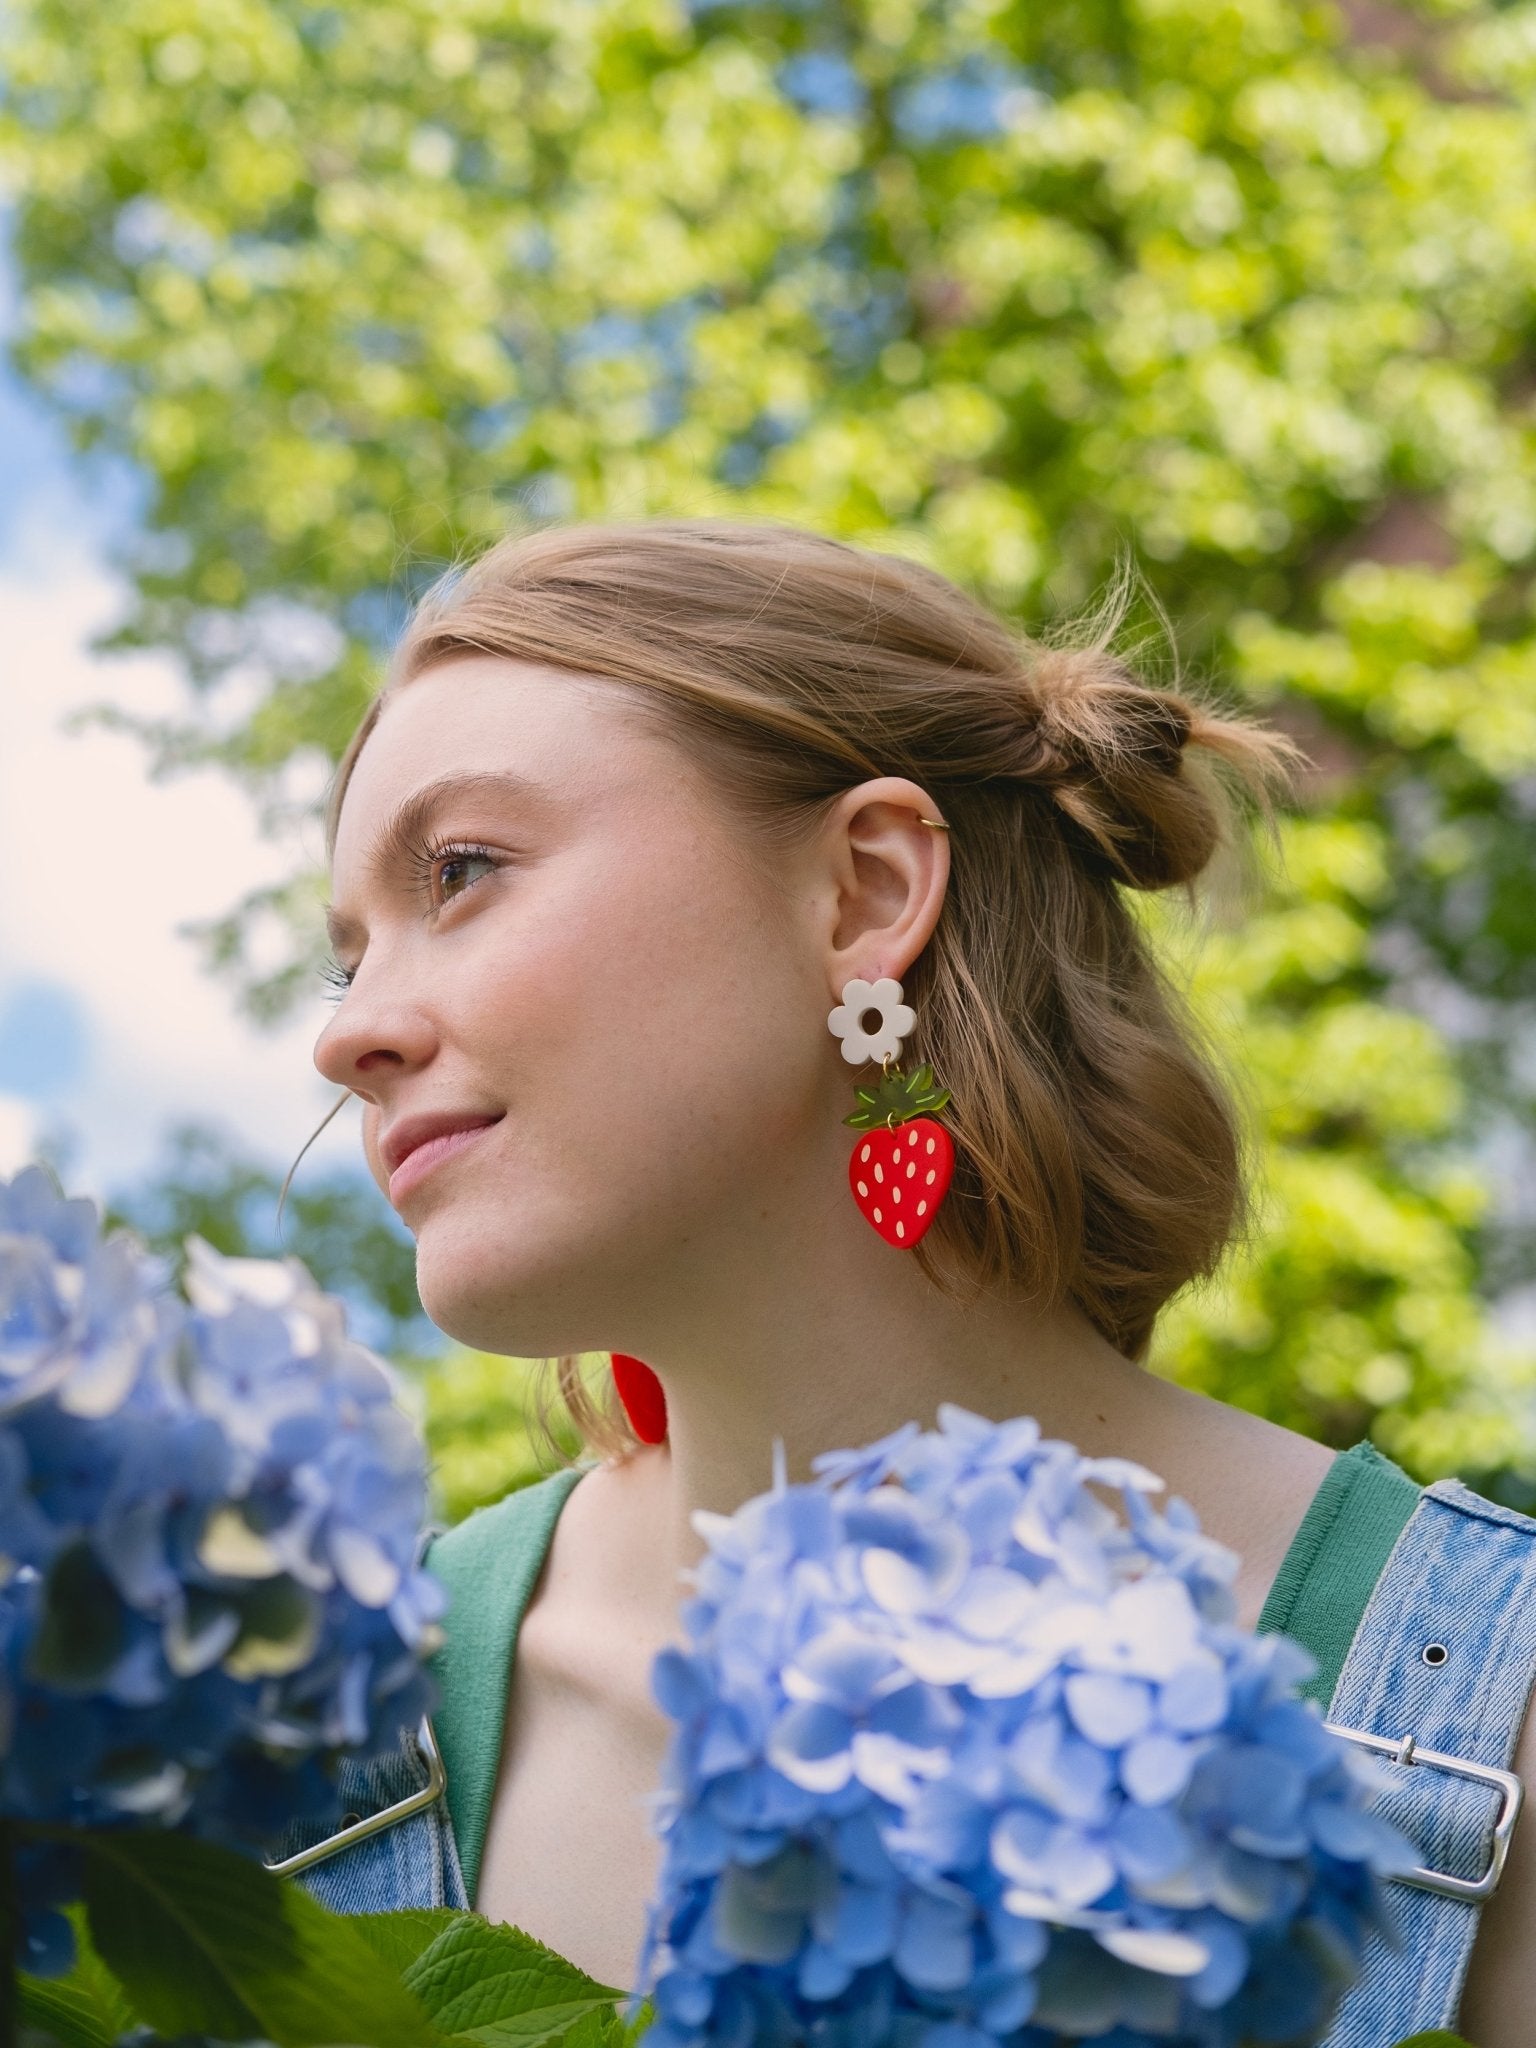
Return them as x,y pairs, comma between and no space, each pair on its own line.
422,863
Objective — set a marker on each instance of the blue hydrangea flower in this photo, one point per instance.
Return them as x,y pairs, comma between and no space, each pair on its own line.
965,1754
210,1513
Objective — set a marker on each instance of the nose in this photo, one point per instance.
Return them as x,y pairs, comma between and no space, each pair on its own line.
374,1036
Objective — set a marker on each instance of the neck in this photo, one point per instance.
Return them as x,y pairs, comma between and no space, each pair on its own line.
836,1339
840,1367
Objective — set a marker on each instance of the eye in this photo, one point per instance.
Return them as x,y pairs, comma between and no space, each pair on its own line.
451,859
441,863
336,978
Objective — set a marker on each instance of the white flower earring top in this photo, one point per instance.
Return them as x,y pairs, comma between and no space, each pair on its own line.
896,1020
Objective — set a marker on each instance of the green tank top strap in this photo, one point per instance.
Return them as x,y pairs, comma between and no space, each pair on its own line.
489,1563
1326,1578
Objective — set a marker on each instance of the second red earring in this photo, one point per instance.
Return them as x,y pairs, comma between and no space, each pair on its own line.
643,1397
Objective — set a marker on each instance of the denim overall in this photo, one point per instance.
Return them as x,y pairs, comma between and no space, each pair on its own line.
1436,1682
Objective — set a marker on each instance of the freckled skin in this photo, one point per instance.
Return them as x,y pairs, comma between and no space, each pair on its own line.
641,992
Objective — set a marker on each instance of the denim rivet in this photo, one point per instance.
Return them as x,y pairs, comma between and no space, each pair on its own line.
1435,1653
350,1820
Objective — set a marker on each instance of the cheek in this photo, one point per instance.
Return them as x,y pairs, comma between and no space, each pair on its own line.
619,956
373,1121
644,1012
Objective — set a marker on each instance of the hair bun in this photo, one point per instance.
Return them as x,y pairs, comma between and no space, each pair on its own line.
1114,754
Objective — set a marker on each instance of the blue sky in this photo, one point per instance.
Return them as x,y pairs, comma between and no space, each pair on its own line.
109,1032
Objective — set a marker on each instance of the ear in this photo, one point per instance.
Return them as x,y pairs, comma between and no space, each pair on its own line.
887,873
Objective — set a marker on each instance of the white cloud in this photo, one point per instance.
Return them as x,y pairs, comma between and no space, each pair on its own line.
98,866
18,1134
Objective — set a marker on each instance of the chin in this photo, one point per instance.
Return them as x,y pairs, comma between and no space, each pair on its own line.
472,1295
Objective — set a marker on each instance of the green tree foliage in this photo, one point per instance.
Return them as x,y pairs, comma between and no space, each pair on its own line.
483,1424
1008,284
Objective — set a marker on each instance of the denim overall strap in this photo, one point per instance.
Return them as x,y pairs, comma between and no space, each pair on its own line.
412,1862
1462,1581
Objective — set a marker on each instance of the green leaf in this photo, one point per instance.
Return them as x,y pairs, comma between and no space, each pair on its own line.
1439,2038
400,1938
634,2028
600,2028
898,1095
499,1987
86,2009
207,1942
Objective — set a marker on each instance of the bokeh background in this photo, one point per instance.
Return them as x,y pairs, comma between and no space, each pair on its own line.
303,301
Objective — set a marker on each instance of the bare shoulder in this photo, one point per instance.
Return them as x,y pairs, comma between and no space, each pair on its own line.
1250,1481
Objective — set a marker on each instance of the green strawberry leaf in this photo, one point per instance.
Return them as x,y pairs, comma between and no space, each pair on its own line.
896,1097
496,1986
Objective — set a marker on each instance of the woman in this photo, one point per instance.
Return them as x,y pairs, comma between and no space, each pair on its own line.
636,807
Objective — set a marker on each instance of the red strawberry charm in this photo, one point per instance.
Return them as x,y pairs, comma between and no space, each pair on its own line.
901,1167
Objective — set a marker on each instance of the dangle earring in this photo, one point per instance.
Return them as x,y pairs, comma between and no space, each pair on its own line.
901,1171
642,1396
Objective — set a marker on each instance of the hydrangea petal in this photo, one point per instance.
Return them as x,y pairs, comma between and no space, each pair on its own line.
811,1744
1195,1697
1162,1949
364,1566
935,1950
1107,1710
1156,1768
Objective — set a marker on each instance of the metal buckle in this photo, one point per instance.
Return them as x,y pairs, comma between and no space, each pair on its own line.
1407,1751
375,1823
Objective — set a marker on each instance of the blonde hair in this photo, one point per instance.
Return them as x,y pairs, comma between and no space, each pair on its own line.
1099,1156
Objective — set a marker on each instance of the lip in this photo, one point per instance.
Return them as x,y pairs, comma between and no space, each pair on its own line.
419,1144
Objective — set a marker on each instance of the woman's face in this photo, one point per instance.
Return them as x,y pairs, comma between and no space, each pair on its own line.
588,952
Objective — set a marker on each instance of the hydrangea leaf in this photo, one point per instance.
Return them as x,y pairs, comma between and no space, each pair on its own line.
498,1986
86,2009
402,1937
600,2028
206,1941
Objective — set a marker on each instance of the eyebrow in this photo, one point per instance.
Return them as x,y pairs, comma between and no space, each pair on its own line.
409,822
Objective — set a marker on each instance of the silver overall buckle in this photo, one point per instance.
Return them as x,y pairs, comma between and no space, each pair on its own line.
1407,1751
375,1823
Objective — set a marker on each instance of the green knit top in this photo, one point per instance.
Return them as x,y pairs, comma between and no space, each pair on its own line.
1336,1556
491,1561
